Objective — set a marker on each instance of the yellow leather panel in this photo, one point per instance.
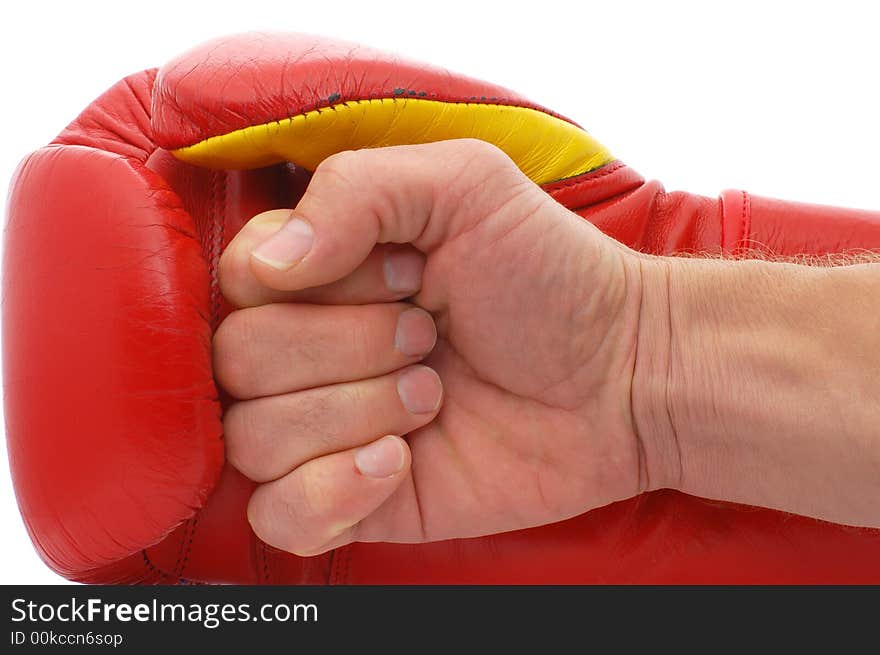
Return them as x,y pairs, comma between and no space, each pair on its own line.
545,148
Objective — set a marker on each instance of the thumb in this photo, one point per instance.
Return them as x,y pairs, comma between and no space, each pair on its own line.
420,194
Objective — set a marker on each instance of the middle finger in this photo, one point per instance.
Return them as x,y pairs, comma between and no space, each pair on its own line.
281,348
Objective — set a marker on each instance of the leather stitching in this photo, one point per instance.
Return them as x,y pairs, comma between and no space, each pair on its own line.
336,99
331,572
746,221
338,568
185,546
265,554
346,564
584,178
218,213
166,576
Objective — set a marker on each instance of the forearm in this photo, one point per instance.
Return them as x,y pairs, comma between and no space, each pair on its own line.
762,385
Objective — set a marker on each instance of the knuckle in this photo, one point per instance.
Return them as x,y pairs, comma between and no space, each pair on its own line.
342,166
478,173
277,520
230,271
233,354
483,153
257,510
261,517
245,445
491,170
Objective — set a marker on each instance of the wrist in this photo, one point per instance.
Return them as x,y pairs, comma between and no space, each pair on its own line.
652,404
756,384
701,407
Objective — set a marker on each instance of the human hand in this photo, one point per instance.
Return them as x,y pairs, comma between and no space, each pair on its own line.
537,333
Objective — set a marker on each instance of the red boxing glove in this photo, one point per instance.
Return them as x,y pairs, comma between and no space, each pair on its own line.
113,236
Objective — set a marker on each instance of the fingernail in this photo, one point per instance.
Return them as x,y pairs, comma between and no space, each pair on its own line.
287,246
380,459
420,390
416,333
403,270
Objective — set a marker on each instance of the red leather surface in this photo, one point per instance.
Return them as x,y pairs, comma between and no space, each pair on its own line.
646,217
263,77
110,297
111,411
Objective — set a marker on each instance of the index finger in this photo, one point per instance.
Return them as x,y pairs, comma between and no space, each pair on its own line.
404,194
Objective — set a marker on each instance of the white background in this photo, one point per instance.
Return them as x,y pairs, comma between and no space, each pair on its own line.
779,98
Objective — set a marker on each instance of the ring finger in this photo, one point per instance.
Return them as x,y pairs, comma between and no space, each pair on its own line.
268,437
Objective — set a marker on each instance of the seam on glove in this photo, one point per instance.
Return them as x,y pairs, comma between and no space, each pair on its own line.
218,213
185,546
340,565
265,555
583,178
746,227
167,577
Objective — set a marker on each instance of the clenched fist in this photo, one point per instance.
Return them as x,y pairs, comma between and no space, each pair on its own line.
429,347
